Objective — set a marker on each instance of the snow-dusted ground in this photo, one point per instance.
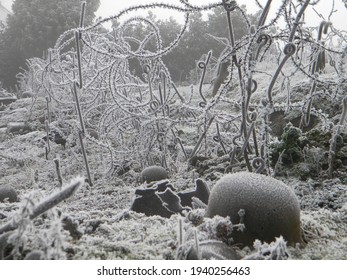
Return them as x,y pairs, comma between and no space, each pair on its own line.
95,223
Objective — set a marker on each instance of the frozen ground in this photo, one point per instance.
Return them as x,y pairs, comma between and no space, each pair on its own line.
95,223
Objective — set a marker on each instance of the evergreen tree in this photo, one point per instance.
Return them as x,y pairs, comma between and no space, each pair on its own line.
33,27
175,59
194,43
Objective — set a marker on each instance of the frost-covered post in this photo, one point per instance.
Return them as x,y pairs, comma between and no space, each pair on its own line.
79,85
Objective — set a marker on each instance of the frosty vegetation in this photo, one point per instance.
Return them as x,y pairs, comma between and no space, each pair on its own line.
140,117
116,121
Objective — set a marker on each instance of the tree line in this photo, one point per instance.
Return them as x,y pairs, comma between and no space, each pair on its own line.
32,28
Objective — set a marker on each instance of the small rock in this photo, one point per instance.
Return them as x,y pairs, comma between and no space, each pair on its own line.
212,250
34,255
8,193
153,173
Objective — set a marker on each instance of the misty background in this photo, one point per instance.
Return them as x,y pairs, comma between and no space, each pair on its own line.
34,26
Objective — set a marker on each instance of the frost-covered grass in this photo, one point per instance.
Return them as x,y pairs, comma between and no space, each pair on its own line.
96,117
102,227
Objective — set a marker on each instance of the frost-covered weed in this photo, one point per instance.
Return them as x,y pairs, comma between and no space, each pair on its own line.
23,231
276,250
145,119
141,117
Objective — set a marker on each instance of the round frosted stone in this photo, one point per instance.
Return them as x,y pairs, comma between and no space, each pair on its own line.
8,193
153,173
271,207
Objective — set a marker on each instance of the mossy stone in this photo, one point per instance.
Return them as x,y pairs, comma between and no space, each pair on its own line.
153,173
271,207
8,193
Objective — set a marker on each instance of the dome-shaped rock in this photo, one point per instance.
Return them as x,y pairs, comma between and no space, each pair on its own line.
271,207
8,193
153,173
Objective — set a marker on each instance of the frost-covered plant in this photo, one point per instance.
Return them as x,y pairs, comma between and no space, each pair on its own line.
210,239
44,205
28,238
16,232
288,148
337,138
57,168
207,250
276,250
138,116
